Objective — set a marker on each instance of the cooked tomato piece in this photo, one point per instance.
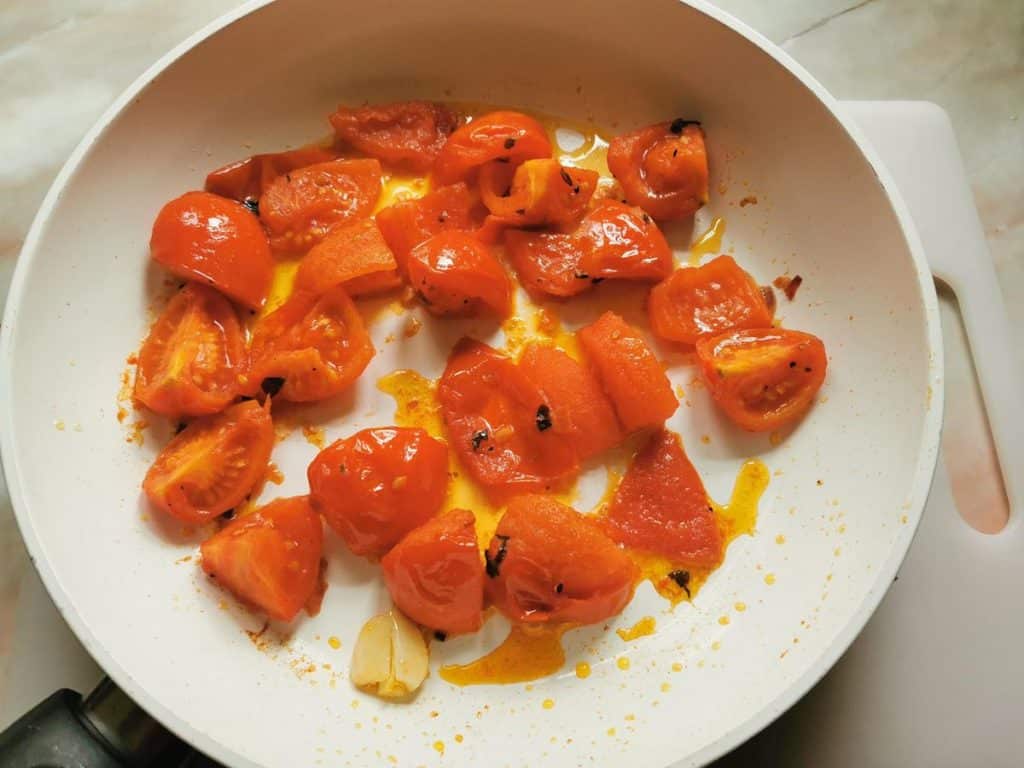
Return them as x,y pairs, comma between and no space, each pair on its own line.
247,179
212,464
301,207
496,424
455,274
717,297
310,348
662,168
435,574
577,406
763,378
629,372
269,558
548,263
190,362
355,256
661,506
214,241
623,242
377,485
406,133
547,562
510,137
408,223
539,191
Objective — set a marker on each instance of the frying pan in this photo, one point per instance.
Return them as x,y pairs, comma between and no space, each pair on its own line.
848,484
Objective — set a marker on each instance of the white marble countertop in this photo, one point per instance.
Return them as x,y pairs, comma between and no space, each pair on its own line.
63,61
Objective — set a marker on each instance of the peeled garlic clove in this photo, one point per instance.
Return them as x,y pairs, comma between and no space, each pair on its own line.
390,657
409,653
371,659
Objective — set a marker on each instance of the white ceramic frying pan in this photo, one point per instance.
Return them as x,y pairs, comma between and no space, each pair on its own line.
848,484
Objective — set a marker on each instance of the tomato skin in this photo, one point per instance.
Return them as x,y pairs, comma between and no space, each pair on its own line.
696,301
436,576
547,263
213,464
548,563
269,558
214,241
580,410
247,179
456,274
190,362
662,168
299,208
539,191
661,507
763,378
490,411
317,344
354,255
407,134
507,136
622,242
629,372
377,485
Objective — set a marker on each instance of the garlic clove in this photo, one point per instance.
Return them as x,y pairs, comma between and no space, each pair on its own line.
390,656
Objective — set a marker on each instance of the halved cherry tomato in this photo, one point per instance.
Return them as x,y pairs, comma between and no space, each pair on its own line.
662,168
763,378
548,263
269,558
623,242
510,137
300,207
377,485
246,180
435,574
455,274
716,297
496,423
355,256
215,241
578,407
408,223
213,464
661,506
540,191
310,348
547,562
190,362
406,133
629,372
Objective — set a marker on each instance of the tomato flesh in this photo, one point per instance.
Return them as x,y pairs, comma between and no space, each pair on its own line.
269,558
435,574
510,137
377,485
539,191
354,255
213,464
407,134
623,243
547,263
548,563
248,179
456,274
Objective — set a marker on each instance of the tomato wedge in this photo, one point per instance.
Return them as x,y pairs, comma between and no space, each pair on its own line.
509,137
629,372
578,407
455,274
662,168
215,241
436,576
377,485
716,297
496,423
548,263
355,256
246,180
301,207
547,562
408,134
661,507
763,378
539,191
622,242
191,360
310,348
269,558
213,464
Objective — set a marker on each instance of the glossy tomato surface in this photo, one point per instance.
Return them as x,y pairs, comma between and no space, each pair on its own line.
539,191
247,179
622,242
354,255
505,136
454,273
